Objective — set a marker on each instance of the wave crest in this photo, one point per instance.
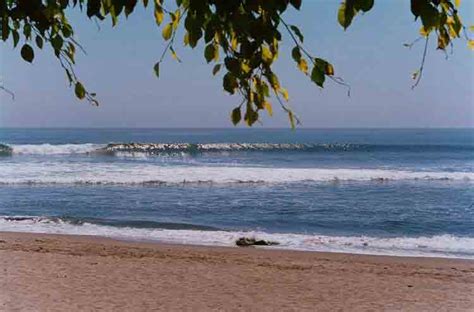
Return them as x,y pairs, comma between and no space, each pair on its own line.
195,148
149,174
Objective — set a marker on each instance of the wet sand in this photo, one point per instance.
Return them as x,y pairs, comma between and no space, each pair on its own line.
41,272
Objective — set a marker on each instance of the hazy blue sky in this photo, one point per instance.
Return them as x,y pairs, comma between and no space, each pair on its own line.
370,56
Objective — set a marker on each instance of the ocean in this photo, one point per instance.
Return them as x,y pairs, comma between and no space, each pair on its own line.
405,192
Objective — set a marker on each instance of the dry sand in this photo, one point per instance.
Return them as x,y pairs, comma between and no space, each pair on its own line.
79,273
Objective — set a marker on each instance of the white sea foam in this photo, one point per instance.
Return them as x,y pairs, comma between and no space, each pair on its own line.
424,246
54,149
55,172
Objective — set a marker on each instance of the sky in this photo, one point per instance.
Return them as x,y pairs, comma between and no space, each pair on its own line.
370,56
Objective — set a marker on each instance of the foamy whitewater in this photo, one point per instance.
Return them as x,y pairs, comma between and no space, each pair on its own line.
393,192
436,246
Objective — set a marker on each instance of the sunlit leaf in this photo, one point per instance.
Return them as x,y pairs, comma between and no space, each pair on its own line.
291,117
267,55
167,31
285,94
345,15
159,15
79,90
268,108
470,44
303,66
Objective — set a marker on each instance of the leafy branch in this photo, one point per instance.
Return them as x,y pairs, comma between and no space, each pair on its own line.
241,38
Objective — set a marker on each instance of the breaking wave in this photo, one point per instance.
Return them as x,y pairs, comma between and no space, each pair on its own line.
191,148
149,174
425,246
50,149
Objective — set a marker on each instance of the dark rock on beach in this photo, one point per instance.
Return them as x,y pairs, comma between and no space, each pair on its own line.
248,241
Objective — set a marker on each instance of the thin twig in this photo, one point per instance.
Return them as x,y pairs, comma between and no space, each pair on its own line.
420,71
8,91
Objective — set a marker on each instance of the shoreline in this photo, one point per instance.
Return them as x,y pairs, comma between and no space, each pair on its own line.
58,272
357,245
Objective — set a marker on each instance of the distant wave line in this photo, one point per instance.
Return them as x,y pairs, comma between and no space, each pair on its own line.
193,148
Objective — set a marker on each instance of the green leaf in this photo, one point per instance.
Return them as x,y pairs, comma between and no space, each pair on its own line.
296,4
296,54
156,69
27,31
57,42
211,52
80,91
27,53
39,42
5,28
16,38
364,5
216,69
345,15
317,76
429,16
297,32
229,83
236,116
167,31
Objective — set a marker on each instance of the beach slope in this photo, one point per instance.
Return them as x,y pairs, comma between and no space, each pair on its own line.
71,273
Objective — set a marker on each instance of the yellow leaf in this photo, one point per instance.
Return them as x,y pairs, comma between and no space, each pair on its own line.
457,3
176,18
268,107
234,43
167,31
158,15
471,28
329,70
292,119
267,55
186,39
470,44
245,68
216,53
424,32
284,93
303,66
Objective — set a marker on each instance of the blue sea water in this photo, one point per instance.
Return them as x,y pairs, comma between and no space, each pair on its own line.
374,191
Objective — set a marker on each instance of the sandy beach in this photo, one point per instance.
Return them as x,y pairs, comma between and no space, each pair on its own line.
82,273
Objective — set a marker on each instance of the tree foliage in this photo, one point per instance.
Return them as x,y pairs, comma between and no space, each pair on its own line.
241,38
